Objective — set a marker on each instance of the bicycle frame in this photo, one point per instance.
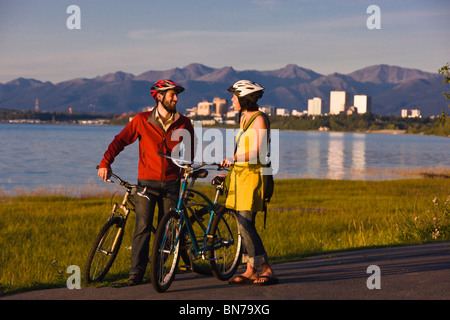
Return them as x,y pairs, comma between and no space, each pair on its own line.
124,206
181,209
185,222
127,205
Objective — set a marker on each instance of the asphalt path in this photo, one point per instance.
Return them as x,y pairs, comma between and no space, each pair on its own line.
419,272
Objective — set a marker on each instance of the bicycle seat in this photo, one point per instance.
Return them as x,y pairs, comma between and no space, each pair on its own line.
218,180
200,173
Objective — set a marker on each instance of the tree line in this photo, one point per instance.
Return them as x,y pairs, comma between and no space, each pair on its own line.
7,115
342,123
364,123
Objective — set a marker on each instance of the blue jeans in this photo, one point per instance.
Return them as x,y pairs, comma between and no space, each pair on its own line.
253,248
145,210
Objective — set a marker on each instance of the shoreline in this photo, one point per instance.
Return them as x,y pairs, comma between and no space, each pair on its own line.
391,131
94,190
381,131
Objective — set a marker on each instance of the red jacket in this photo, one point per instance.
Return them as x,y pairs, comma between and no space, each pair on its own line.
152,138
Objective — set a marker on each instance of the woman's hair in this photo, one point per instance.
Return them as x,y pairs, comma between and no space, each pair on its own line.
249,102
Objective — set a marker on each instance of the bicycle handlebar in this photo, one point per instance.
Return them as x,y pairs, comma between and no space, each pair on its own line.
126,184
122,182
188,164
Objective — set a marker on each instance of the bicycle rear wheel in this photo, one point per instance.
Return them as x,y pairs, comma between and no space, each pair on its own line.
104,250
165,253
226,245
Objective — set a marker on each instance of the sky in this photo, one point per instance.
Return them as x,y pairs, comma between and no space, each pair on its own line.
135,36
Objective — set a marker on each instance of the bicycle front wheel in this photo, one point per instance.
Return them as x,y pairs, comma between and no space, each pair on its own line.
104,250
165,253
225,245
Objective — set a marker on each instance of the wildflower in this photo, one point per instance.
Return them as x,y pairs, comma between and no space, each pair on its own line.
435,233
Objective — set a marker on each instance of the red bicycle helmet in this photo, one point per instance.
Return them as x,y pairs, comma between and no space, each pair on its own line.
164,85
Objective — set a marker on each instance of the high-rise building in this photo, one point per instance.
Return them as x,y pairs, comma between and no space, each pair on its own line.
338,101
282,112
410,113
314,106
363,103
221,105
205,108
36,105
415,113
269,110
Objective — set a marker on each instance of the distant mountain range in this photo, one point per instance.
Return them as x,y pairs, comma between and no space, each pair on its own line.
392,88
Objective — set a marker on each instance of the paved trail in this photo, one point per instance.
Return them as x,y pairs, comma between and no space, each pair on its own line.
407,273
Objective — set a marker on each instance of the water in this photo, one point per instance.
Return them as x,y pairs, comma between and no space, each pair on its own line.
335,155
36,155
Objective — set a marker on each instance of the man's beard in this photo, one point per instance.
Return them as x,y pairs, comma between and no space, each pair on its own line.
168,106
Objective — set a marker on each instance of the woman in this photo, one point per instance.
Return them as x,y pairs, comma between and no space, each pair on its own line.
246,185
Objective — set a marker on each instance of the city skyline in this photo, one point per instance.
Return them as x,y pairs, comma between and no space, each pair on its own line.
324,36
339,102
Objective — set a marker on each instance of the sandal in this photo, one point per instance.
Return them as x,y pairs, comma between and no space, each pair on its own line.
269,281
243,280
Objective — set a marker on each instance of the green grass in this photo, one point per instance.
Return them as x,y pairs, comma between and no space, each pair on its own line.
321,215
40,236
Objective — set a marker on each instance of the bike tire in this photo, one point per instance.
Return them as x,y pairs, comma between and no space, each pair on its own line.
165,253
102,254
225,260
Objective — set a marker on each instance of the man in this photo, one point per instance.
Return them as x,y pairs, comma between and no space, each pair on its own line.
157,131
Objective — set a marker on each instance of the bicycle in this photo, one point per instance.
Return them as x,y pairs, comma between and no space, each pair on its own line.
219,243
107,243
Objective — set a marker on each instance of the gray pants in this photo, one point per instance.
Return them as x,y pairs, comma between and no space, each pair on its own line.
253,248
145,210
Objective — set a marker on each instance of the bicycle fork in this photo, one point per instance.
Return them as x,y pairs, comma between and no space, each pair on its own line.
113,247
118,234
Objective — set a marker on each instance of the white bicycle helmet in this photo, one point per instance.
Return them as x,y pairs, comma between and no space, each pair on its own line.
245,87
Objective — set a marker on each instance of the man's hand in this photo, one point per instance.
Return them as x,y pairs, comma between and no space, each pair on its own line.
104,173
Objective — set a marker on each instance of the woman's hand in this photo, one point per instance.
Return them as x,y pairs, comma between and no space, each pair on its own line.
226,163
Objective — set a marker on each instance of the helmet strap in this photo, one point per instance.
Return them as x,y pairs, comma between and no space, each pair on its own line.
164,106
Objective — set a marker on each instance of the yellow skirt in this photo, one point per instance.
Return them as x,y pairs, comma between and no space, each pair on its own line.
245,190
